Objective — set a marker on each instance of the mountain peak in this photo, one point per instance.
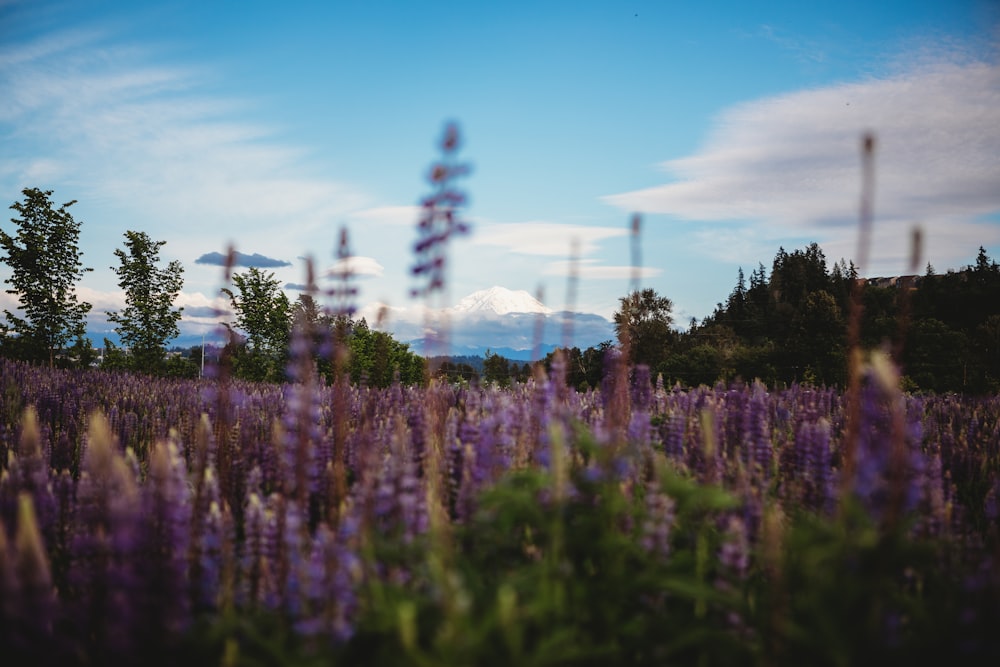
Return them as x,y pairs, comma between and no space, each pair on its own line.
501,301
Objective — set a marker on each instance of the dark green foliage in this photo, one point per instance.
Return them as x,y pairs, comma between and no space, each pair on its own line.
936,356
378,359
844,592
584,369
496,369
539,579
944,330
177,366
457,371
643,324
700,364
44,259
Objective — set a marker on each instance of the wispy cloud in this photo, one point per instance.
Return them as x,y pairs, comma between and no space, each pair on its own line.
156,141
544,238
790,165
396,216
802,49
591,269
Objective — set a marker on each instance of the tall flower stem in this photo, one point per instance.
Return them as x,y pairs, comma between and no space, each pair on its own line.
854,359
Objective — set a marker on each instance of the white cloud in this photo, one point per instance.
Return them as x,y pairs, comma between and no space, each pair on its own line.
397,216
356,265
544,238
790,164
590,269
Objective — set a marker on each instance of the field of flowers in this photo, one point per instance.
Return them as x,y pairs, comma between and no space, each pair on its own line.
155,521
151,521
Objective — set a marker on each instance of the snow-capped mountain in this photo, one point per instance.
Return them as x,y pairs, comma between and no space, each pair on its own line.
501,301
508,322
512,323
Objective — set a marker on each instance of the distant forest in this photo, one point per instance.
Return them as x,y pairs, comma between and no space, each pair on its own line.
789,325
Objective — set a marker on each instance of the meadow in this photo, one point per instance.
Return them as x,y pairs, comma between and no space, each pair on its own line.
222,522
219,522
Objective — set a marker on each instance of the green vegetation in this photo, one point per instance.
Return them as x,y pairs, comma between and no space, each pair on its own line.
791,326
44,259
149,319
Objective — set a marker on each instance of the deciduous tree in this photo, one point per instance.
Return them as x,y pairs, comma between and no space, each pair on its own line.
44,258
264,313
644,326
149,319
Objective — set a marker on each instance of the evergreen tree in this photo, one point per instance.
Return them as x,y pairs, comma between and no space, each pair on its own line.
496,369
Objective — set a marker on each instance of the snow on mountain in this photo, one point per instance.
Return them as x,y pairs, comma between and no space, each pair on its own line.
501,301
508,322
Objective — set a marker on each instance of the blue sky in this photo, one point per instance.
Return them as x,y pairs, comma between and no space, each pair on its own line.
732,127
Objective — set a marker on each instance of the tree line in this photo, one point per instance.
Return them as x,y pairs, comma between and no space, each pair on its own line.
790,325
942,329
44,258
785,325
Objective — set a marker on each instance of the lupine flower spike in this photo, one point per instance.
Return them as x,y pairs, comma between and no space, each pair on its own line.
440,217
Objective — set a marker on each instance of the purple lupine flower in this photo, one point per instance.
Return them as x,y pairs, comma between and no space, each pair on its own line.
672,430
345,292
439,219
104,549
733,407
27,472
254,563
494,444
702,449
757,431
273,559
331,576
400,500
734,554
161,602
658,522
292,559
640,427
214,529
883,482
469,486
303,433
812,440
934,519
28,603
874,442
